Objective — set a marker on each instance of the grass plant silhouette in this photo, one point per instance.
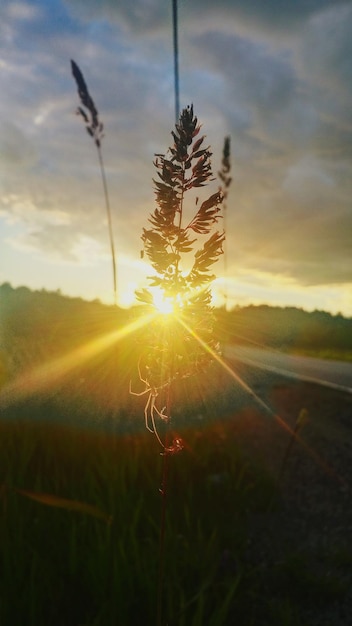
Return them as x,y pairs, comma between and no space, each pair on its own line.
226,179
180,287
95,129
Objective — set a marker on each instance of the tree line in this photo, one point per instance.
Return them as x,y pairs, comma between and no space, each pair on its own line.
287,328
58,322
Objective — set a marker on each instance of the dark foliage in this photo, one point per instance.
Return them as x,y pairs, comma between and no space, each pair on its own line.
182,273
286,328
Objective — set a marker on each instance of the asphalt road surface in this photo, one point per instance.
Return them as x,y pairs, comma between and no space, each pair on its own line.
334,374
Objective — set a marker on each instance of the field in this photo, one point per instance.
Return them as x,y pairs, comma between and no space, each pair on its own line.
240,547
248,540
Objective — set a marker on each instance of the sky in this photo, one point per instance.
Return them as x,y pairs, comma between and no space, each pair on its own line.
275,76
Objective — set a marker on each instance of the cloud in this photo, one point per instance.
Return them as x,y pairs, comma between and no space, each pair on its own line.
274,75
271,16
142,16
327,48
61,245
300,230
21,11
255,77
151,16
16,149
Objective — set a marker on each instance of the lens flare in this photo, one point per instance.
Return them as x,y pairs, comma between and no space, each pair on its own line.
163,304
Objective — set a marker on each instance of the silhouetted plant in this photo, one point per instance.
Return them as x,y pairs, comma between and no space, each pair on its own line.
224,172
180,344
95,128
224,175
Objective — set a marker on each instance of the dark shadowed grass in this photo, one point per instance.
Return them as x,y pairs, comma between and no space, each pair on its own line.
62,567
67,568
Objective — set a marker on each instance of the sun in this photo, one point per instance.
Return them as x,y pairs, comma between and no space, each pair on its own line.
163,305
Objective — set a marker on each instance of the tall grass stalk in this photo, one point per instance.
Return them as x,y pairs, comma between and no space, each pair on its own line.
224,175
162,532
174,342
95,129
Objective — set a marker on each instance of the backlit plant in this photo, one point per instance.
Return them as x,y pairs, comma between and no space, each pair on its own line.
224,175
181,247
95,128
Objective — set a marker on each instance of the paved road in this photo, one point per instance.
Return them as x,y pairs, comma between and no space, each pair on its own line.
334,374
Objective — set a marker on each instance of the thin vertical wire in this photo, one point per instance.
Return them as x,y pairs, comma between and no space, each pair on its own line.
176,74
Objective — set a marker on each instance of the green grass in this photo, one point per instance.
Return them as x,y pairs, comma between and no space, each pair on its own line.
68,568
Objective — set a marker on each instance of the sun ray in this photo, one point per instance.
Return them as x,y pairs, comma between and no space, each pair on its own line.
312,453
37,379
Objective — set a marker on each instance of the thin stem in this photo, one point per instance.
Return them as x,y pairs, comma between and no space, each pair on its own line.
163,492
177,246
176,75
108,211
165,467
224,174
225,254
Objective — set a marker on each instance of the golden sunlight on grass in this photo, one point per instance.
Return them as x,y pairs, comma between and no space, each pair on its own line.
41,377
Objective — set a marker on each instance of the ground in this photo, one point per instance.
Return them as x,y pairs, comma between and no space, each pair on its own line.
302,545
